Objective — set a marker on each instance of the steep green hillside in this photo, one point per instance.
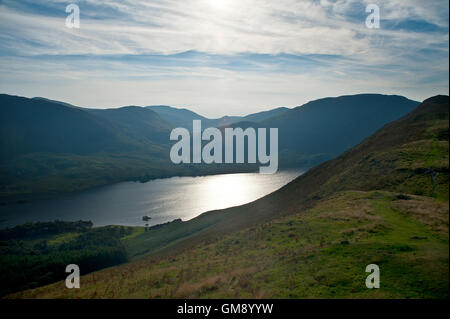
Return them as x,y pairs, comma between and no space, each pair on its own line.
385,202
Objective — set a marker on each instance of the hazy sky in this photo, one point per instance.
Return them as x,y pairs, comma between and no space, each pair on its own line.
220,57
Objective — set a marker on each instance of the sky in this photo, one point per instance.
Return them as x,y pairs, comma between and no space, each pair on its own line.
222,57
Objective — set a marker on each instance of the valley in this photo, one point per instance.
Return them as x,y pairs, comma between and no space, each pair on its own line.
49,148
385,201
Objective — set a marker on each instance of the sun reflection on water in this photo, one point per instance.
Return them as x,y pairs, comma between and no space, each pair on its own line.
222,191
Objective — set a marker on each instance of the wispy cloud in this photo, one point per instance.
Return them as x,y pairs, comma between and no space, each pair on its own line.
222,56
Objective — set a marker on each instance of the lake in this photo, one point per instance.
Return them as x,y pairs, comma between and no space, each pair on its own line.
163,199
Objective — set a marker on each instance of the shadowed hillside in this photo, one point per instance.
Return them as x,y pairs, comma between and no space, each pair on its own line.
322,129
32,125
139,123
176,117
49,148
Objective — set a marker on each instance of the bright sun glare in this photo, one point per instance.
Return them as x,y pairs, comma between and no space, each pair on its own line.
219,4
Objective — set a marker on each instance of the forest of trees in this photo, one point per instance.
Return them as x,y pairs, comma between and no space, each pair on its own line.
43,250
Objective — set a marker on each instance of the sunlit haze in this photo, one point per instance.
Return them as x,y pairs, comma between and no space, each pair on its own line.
221,57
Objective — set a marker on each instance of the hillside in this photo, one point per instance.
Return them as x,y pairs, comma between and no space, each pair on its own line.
176,117
49,148
139,123
385,201
33,125
322,129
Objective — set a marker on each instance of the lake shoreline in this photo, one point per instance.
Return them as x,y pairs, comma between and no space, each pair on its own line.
129,201
33,197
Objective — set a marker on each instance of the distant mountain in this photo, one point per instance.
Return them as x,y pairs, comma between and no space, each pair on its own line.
322,129
48,147
176,117
181,117
55,101
36,125
261,116
142,124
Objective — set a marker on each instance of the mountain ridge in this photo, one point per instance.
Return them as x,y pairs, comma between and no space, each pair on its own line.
182,117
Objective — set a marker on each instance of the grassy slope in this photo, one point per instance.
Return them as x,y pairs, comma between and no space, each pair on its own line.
321,252
314,237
